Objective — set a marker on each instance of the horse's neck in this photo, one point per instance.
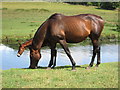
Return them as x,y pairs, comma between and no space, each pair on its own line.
39,36
27,43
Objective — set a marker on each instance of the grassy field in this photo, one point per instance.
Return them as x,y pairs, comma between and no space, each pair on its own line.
20,20
106,76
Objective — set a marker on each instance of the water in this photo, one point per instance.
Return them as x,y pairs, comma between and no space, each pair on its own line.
81,54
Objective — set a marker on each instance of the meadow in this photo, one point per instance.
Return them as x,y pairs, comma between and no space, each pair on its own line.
106,76
20,20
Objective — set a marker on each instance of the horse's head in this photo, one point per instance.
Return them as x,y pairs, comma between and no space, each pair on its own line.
23,46
21,50
34,58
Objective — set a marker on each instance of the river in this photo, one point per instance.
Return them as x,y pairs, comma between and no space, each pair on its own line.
81,54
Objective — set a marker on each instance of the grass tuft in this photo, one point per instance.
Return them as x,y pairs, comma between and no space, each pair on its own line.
4,9
44,10
20,9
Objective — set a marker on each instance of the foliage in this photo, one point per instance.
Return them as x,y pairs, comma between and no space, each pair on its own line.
102,5
118,28
109,5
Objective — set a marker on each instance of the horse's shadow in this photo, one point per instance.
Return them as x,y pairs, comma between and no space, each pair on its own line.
58,67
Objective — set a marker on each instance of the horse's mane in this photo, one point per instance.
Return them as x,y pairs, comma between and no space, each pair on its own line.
89,15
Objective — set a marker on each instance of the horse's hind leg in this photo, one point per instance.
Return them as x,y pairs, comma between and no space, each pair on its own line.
98,57
64,46
96,50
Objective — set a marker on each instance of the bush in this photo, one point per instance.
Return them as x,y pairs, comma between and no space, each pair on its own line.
102,5
109,5
118,28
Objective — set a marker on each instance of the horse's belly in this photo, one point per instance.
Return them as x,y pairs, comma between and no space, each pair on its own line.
75,39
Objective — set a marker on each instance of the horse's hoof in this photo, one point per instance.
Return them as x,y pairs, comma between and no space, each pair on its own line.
33,67
36,67
87,68
48,68
96,66
52,67
73,70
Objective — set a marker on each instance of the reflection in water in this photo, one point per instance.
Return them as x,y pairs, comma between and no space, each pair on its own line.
81,54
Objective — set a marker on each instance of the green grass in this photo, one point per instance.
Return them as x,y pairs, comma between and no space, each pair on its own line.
20,20
106,76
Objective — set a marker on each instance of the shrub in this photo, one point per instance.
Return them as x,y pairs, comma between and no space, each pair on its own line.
109,5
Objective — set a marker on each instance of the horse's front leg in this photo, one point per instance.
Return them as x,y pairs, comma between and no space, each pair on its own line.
53,57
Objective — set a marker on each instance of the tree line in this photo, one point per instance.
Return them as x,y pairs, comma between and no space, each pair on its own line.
102,5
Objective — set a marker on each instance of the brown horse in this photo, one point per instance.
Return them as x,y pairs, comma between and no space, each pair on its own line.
63,29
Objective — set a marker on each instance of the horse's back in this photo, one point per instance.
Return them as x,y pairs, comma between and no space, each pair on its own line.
65,22
74,28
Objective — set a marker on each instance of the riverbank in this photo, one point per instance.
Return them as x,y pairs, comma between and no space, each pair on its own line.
106,76
20,22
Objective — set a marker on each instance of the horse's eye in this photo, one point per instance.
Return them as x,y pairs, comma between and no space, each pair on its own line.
21,48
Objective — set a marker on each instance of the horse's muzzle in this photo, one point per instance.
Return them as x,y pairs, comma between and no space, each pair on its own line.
18,55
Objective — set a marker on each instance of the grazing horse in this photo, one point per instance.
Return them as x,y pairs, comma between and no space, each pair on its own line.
62,29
